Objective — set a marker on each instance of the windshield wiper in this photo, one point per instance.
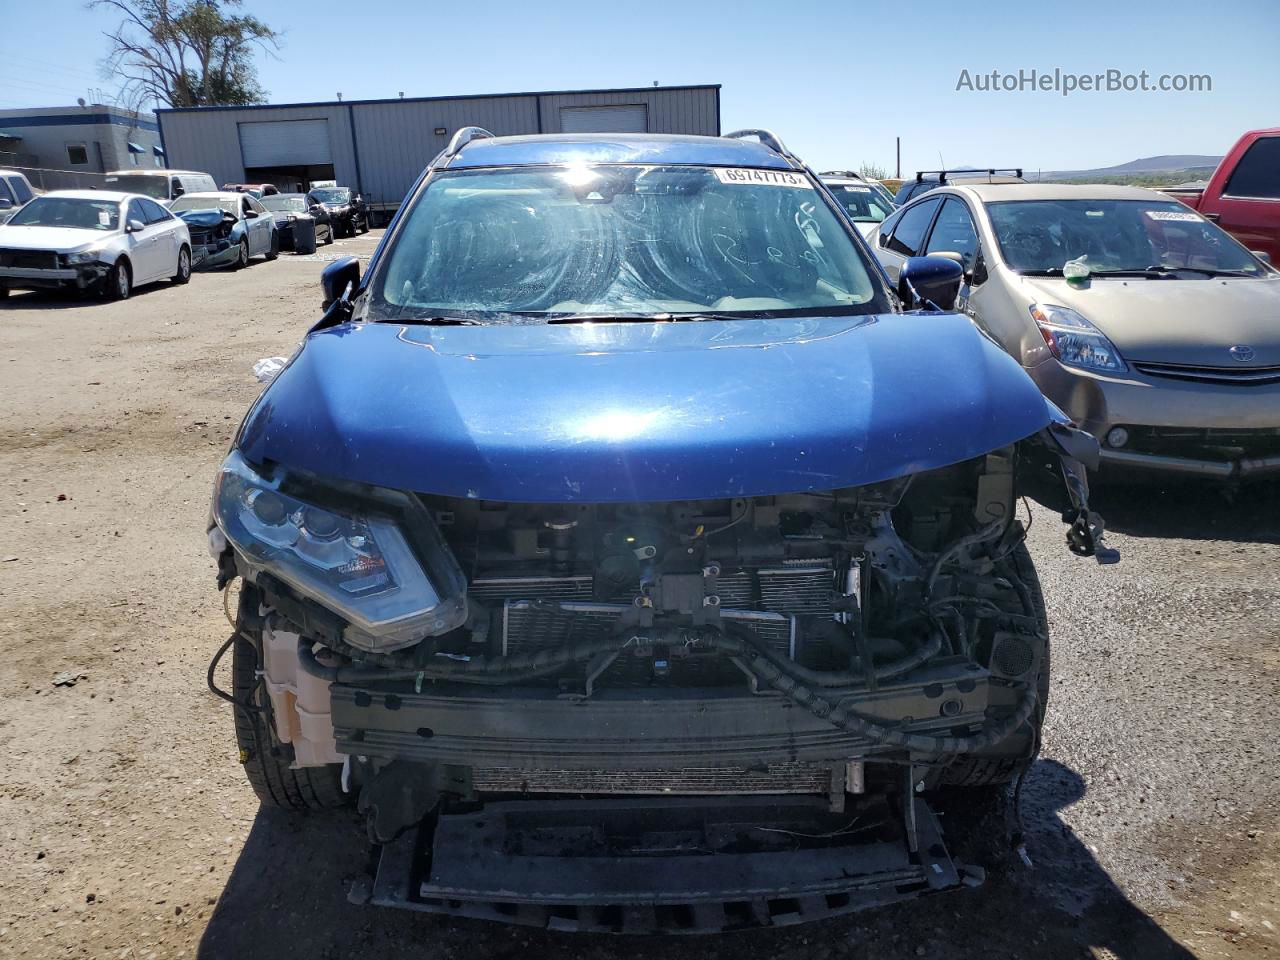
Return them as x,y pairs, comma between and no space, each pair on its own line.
1046,272
437,321
1148,273
1205,271
649,318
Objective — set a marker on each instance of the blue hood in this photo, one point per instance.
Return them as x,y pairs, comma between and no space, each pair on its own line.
642,412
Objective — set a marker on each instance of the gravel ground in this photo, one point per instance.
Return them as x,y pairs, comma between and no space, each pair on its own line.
129,831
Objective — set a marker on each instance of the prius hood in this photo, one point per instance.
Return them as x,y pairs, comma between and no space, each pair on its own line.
1193,322
53,238
642,411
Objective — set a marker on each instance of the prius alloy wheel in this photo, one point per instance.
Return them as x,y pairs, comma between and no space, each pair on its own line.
184,266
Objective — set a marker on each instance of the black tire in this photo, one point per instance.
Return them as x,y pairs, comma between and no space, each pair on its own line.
979,771
184,266
266,762
364,224
328,234
273,251
118,283
242,258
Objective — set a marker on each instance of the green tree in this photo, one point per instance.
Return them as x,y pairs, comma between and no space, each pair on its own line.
873,171
186,53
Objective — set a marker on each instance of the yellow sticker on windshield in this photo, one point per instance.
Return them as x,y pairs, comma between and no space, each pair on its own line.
760,178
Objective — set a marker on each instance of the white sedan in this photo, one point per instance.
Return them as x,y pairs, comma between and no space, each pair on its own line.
93,240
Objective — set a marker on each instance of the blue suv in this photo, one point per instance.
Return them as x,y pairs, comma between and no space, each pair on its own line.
621,527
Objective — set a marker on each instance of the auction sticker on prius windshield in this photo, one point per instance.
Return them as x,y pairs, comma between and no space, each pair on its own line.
761,178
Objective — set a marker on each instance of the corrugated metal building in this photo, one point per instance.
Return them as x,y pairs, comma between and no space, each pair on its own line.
381,146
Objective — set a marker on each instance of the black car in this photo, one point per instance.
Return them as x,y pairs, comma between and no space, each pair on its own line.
926,180
349,211
288,207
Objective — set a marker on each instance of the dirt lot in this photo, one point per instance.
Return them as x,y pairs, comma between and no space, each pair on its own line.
129,831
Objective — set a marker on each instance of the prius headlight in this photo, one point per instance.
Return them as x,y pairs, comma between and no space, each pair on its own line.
84,256
357,564
1075,341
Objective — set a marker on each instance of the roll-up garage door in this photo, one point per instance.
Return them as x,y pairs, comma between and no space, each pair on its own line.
284,143
622,118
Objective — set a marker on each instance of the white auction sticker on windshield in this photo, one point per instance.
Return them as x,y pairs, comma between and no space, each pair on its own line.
1175,215
104,218
851,189
760,178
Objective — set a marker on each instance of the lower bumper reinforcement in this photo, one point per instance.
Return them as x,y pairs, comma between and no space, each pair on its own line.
665,865
1222,469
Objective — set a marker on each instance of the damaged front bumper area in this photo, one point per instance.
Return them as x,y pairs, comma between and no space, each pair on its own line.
672,717
665,865
213,243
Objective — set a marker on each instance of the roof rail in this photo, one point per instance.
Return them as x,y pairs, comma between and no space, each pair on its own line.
767,137
852,174
464,136
989,171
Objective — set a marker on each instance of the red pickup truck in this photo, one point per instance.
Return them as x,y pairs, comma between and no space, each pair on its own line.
1243,195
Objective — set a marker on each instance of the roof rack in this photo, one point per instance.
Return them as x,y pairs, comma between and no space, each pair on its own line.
464,136
767,137
989,171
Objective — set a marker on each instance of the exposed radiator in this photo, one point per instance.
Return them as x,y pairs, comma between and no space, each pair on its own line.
526,625
531,588
783,778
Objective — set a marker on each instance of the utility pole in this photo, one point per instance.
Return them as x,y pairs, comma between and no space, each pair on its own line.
897,170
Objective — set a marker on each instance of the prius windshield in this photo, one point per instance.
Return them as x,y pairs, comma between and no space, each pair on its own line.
861,202
1038,237
284,204
75,213
620,240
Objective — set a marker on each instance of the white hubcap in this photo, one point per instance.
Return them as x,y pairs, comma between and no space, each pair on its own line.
122,282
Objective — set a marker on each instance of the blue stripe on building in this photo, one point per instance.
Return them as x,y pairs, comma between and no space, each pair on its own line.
54,120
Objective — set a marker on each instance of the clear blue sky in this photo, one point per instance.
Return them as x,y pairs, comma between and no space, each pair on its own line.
838,82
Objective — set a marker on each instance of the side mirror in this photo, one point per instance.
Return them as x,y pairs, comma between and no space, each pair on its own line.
178,190
251,215
6,203
338,279
927,282
134,226
1262,255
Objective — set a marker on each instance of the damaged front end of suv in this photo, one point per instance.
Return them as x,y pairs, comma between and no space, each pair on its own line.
638,619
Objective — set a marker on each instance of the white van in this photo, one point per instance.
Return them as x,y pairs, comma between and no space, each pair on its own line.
163,185
15,191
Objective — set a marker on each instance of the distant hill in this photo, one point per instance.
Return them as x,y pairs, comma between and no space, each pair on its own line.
1163,170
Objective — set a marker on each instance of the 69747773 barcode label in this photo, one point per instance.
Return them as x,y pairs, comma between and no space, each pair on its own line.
747,176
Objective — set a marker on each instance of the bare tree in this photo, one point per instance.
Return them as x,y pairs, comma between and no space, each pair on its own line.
186,53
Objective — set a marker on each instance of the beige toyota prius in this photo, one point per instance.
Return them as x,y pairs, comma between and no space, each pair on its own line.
1151,327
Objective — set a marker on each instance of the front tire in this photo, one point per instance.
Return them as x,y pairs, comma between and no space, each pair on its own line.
119,281
242,256
184,266
328,234
266,763
273,251
989,771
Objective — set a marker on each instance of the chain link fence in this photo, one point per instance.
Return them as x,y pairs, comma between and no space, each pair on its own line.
45,180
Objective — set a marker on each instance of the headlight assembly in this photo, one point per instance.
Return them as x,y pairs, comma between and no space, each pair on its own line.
84,256
1075,341
359,565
